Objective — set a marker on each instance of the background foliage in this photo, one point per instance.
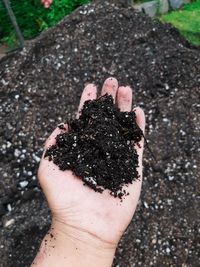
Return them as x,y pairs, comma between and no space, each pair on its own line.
33,18
187,21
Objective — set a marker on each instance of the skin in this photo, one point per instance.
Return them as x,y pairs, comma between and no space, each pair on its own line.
86,226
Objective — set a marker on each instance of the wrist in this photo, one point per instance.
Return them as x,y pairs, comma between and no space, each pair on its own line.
85,247
65,245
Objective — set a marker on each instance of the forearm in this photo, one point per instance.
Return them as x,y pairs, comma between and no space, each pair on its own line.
72,248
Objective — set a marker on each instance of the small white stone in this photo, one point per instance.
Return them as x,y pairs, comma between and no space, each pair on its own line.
8,144
9,223
153,241
182,132
187,164
171,178
58,65
98,47
17,153
165,120
23,184
166,86
4,146
9,207
168,250
4,82
29,173
169,201
22,156
91,179
146,205
36,158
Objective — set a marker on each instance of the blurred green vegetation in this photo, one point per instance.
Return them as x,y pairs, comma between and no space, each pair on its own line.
187,21
33,18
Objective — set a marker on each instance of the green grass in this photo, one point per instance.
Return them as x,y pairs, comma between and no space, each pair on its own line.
187,21
33,18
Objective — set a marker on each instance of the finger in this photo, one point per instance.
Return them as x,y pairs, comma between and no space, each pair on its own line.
110,87
89,93
124,98
51,140
140,120
135,188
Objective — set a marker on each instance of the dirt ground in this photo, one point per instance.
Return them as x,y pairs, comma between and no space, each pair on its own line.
40,87
3,50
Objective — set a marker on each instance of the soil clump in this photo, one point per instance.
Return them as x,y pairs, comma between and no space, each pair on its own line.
99,147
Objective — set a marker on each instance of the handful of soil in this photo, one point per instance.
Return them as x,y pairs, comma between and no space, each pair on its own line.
99,147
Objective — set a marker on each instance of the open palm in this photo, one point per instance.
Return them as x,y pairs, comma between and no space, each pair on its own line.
80,207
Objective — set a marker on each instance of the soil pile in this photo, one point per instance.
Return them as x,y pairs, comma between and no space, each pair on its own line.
40,87
99,147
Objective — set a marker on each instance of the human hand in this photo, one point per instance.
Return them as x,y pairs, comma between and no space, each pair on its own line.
91,221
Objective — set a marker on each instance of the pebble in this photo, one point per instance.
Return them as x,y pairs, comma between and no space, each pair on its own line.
8,144
9,207
165,120
153,241
17,153
4,146
36,158
170,178
91,179
9,223
23,184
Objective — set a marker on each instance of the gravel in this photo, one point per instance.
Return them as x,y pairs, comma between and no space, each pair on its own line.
40,87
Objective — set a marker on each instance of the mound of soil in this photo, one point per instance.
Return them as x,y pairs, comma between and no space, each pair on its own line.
99,147
40,87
